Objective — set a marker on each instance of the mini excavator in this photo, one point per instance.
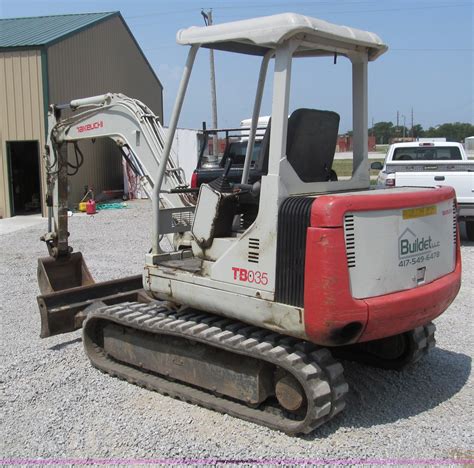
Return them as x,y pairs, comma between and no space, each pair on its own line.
260,287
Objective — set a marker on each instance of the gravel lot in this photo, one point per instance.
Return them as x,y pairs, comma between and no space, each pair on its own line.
55,405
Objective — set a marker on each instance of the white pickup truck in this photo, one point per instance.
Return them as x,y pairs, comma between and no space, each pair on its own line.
427,164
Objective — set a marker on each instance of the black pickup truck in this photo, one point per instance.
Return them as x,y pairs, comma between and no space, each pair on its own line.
211,167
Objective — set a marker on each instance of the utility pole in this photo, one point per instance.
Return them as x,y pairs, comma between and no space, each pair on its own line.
412,130
208,22
398,118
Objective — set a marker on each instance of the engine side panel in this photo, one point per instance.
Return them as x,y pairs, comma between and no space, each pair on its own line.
333,313
332,316
398,249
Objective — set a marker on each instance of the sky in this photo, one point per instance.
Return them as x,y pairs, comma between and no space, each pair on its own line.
429,67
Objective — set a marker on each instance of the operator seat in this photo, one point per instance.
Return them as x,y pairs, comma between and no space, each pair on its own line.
311,144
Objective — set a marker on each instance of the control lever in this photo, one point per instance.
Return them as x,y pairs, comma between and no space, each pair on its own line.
221,184
227,167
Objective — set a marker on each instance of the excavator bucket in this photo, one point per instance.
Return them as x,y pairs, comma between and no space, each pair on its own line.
68,292
63,273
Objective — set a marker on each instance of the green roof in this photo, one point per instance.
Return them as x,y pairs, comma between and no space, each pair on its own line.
43,30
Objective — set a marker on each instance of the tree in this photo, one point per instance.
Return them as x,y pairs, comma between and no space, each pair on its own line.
456,131
417,131
382,131
400,131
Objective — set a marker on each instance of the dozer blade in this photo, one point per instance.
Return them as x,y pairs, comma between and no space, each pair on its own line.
68,292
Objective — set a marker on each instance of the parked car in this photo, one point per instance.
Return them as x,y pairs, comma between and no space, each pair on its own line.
428,164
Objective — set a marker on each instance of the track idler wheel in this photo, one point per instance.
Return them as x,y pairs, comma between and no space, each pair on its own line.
289,393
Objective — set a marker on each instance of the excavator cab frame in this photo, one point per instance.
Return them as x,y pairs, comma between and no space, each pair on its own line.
227,265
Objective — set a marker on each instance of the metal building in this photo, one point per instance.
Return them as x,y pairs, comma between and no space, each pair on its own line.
54,59
469,143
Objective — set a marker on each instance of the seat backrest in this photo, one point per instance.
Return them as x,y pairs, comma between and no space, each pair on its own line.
311,143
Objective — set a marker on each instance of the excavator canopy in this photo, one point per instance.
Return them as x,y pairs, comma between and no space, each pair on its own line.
258,35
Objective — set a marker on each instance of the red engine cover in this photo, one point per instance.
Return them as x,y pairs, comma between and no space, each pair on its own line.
332,316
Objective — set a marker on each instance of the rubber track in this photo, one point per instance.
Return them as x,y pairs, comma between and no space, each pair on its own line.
418,342
314,367
422,339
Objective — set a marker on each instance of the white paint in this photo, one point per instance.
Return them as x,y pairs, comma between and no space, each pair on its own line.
207,209
469,143
185,150
431,140
462,181
318,35
210,295
382,268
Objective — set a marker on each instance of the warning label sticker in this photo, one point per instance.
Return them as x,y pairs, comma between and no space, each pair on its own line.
412,213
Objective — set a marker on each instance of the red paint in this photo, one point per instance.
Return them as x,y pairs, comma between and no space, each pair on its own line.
91,126
90,207
329,210
250,276
329,304
402,311
194,180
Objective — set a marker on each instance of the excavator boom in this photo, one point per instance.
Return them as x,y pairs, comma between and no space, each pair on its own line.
66,284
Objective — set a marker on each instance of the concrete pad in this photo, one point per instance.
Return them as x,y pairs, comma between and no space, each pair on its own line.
9,225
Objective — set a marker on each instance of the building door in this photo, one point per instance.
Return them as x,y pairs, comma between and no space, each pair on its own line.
24,177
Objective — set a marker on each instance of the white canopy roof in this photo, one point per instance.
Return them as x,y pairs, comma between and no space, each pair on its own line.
258,35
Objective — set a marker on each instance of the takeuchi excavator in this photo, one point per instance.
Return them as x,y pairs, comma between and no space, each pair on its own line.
250,292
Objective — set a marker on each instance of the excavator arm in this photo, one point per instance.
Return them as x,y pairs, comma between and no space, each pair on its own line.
66,285
135,130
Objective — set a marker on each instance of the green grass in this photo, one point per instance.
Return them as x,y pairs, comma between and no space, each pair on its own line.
381,148
343,167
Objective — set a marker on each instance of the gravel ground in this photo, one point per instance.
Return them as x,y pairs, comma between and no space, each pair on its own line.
54,404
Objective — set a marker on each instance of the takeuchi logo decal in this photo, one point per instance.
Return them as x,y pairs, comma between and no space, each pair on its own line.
410,244
90,126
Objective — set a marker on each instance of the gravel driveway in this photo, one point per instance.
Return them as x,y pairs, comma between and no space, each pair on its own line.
55,405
